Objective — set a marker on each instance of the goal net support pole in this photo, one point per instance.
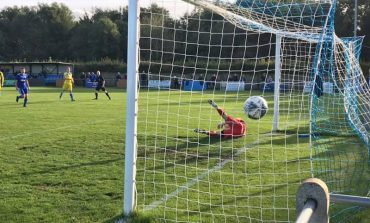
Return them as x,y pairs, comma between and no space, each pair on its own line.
313,199
277,82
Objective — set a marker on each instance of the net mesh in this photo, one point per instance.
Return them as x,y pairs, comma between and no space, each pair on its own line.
226,51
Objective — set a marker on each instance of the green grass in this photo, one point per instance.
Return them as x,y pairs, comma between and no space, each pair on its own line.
258,181
63,162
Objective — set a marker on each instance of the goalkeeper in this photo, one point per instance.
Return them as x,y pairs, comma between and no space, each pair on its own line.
232,127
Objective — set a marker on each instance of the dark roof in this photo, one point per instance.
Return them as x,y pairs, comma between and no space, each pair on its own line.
35,63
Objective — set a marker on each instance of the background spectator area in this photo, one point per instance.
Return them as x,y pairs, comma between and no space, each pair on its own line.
41,73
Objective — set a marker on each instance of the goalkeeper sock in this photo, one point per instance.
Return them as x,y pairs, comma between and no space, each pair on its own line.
61,94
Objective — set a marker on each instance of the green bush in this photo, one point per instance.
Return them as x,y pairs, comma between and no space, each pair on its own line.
191,67
106,65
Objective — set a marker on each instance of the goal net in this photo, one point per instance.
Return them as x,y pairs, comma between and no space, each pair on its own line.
285,51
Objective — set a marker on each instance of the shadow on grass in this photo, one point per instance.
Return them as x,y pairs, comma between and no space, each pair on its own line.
184,152
62,168
244,198
344,168
192,152
133,218
342,163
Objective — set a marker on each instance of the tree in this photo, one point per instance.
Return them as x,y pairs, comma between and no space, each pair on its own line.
105,39
80,41
35,32
344,22
56,23
120,18
18,26
47,30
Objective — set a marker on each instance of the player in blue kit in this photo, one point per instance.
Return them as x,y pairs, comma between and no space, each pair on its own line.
22,85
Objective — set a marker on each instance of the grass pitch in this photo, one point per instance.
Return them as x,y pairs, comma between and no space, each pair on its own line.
192,178
63,161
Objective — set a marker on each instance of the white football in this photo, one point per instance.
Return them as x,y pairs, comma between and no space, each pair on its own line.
255,107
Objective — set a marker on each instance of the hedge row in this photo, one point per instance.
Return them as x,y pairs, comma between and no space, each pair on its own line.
107,65
190,68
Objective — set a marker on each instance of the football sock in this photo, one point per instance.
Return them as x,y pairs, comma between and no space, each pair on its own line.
71,95
61,94
25,102
96,95
106,93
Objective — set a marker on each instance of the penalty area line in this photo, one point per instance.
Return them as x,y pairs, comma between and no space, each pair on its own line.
198,178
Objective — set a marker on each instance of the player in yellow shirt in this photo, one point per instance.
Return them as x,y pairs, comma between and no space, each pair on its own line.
68,83
1,80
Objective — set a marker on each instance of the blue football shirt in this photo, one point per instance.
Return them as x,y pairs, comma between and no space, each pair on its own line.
21,80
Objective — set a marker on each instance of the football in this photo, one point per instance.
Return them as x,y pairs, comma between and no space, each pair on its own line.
255,107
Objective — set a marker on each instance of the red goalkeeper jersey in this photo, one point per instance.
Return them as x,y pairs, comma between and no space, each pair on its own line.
234,127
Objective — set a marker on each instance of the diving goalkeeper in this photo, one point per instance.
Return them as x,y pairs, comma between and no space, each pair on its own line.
232,127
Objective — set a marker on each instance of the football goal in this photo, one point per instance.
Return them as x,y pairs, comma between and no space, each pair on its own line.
180,163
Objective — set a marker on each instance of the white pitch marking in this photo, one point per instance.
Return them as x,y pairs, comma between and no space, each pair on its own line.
195,180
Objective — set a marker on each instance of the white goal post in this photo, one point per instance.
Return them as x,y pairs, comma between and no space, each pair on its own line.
132,107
